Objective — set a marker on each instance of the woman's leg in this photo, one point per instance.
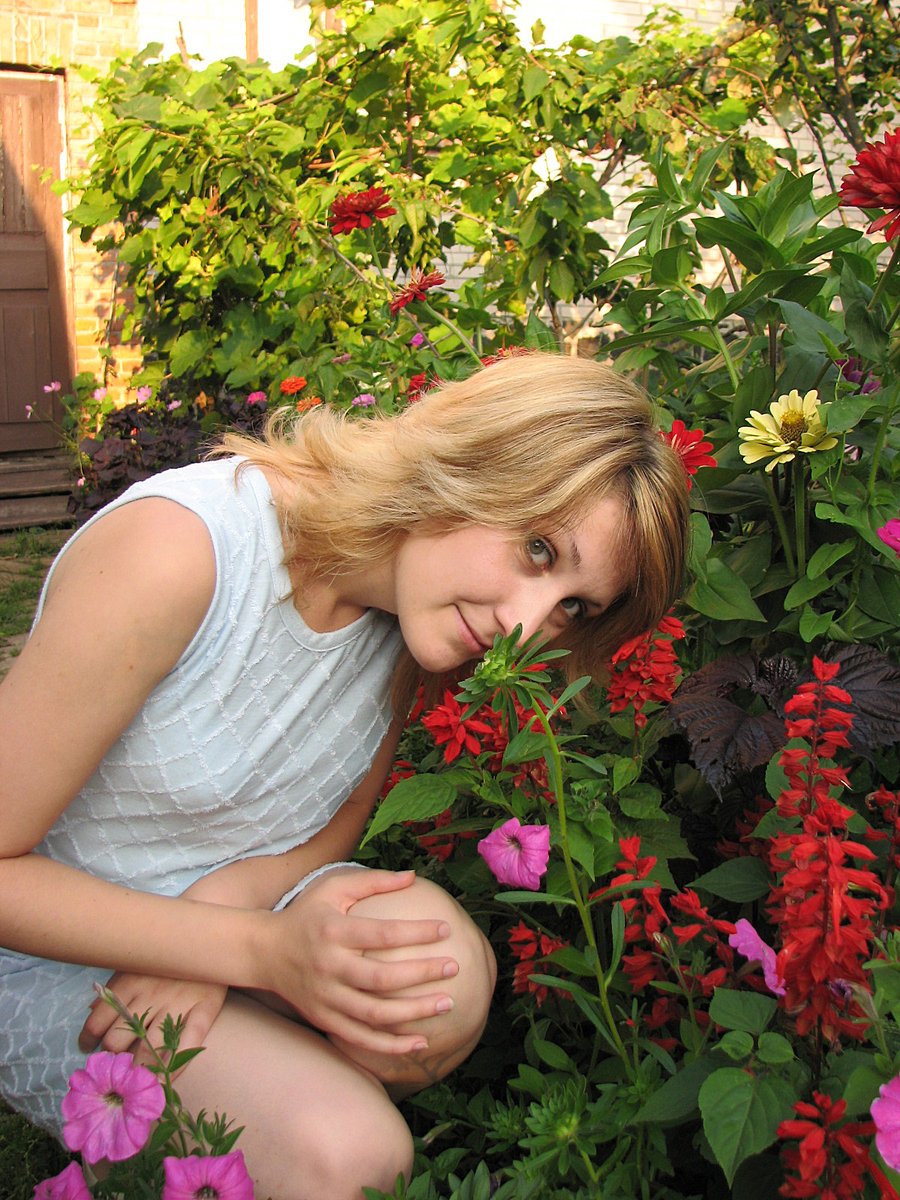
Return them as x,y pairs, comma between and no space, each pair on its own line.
315,1125
452,1036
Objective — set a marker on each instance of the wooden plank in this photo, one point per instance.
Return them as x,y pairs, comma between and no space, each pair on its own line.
19,513
23,262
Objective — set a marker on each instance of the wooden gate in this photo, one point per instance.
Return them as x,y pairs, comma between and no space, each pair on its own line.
34,347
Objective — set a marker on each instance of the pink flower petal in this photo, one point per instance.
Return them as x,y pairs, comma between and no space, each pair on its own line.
747,942
69,1184
517,854
886,1115
224,1176
110,1107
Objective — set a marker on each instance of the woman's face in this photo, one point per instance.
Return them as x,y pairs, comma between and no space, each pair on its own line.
453,592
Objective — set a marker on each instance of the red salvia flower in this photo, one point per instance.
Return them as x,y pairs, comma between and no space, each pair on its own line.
415,288
832,1158
488,360
359,210
292,385
874,182
826,904
645,669
527,946
691,448
446,726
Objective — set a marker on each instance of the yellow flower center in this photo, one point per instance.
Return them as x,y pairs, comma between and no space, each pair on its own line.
793,428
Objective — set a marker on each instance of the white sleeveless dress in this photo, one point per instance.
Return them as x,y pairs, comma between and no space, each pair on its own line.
249,746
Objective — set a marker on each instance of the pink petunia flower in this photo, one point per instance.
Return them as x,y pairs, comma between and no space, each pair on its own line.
218,1178
55,386
886,1115
110,1106
890,534
144,393
417,340
747,941
517,854
69,1184
29,411
99,393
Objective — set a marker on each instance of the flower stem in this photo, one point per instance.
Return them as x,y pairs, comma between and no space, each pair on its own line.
799,517
556,780
782,527
447,323
880,286
877,451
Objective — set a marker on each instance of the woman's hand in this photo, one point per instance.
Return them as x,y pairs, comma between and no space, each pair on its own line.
328,967
197,1003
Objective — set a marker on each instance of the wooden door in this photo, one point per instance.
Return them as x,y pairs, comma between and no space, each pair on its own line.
34,348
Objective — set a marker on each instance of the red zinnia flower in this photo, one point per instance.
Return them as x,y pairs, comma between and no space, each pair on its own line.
874,182
691,448
359,210
292,385
415,288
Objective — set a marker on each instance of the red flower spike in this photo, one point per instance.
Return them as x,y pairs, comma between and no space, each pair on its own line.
690,447
359,210
415,288
645,670
874,182
446,726
832,1158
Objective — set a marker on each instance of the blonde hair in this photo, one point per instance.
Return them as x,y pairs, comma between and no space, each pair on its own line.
527,445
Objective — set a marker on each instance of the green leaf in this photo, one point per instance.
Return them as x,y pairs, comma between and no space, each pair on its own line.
677,1098
554,1056
741,1114
815,625
826,556
625,771
804,589
723,595
747,1011
188,350
739,879
846,412
526,746
737,1044
534,81
866,332
641,802
670,266
415,799
562,280
774,1049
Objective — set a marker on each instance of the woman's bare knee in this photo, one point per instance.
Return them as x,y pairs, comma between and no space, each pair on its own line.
452,1036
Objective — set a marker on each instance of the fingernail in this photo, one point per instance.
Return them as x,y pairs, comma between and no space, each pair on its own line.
450,969
444,1005
420,1046
443,930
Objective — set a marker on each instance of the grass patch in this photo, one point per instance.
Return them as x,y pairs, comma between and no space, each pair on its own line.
27,1156
25,556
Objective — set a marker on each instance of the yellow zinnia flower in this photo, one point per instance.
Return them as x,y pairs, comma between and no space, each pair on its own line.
793,425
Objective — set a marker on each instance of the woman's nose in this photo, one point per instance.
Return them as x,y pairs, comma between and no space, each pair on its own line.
534,611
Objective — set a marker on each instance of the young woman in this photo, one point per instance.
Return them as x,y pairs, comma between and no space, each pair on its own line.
208,706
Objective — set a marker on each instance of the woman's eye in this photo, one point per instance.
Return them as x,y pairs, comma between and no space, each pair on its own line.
573,608
539,552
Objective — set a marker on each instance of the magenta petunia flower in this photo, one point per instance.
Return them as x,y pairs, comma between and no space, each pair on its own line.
220,1178
747,941
517,854
364,400
110,1107
890,534
69,1184
886,1115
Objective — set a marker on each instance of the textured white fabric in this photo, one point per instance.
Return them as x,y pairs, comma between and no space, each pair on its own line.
249,746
